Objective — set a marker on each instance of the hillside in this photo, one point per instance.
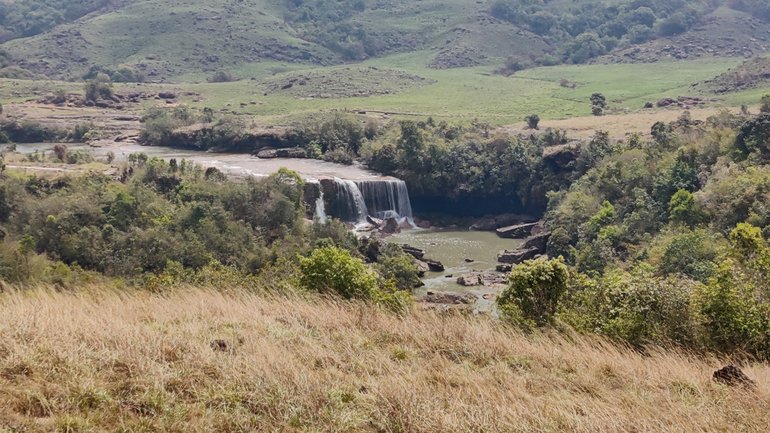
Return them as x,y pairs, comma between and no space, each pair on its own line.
723,33
199,360
162,40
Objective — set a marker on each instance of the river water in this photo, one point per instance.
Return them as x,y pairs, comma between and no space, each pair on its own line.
232,163
452,248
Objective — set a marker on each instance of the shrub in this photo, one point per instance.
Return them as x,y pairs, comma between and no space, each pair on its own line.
533,121
637,307
401,270
731,315
222,77
332,270
533,295
98,88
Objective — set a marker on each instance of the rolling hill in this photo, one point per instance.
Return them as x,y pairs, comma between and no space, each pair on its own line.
167,40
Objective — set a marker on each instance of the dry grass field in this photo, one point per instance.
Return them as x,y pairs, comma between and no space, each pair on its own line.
199,360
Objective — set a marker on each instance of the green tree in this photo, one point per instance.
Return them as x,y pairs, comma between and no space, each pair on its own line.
585,47
598,104
401,270
411,144
333,270
98,88
731,315
532,297
682,208
533,121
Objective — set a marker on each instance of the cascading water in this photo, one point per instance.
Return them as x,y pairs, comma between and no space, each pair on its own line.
387,199
354,201
320,209
352,206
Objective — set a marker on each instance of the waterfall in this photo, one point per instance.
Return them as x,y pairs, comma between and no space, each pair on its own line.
352,205
387,199
320,208
354,201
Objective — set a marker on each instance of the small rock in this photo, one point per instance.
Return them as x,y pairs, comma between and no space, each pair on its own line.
450,298
732,376
220,346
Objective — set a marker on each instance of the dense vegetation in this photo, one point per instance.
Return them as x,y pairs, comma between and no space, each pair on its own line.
589,29
667,238
30,17
161,223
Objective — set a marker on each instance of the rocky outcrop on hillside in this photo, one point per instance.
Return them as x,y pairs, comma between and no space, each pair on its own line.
724,33
748,75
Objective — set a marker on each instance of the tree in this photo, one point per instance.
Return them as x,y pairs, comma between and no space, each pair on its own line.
411,143
333,270
60,151
532,297
98,88
598,104
730,315
401,270
586,46
754,136
533,121
682,208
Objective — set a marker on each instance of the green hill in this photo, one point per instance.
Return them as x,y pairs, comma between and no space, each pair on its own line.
165,40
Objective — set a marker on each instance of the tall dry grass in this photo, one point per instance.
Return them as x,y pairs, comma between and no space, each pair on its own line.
141,362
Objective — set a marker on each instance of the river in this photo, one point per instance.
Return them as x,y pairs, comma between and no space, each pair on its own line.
453,248
231,163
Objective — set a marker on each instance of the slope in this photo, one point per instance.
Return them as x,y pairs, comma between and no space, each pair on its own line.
203,360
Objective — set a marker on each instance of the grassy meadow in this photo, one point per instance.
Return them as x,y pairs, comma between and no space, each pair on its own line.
462,94
141,362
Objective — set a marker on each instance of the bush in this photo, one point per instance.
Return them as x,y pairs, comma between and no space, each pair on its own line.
401,270
731,315
532,297
637,307
222,77
533,121
98,88
332,270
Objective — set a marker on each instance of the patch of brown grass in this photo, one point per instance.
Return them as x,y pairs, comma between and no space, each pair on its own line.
107,361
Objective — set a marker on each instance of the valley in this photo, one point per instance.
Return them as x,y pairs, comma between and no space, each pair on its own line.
384,215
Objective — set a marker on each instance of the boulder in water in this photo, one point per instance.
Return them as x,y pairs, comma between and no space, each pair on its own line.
517,256
414,252
469,280
539,242
374,221
422,267
269,153
390,226
516,231
435,265
490,223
